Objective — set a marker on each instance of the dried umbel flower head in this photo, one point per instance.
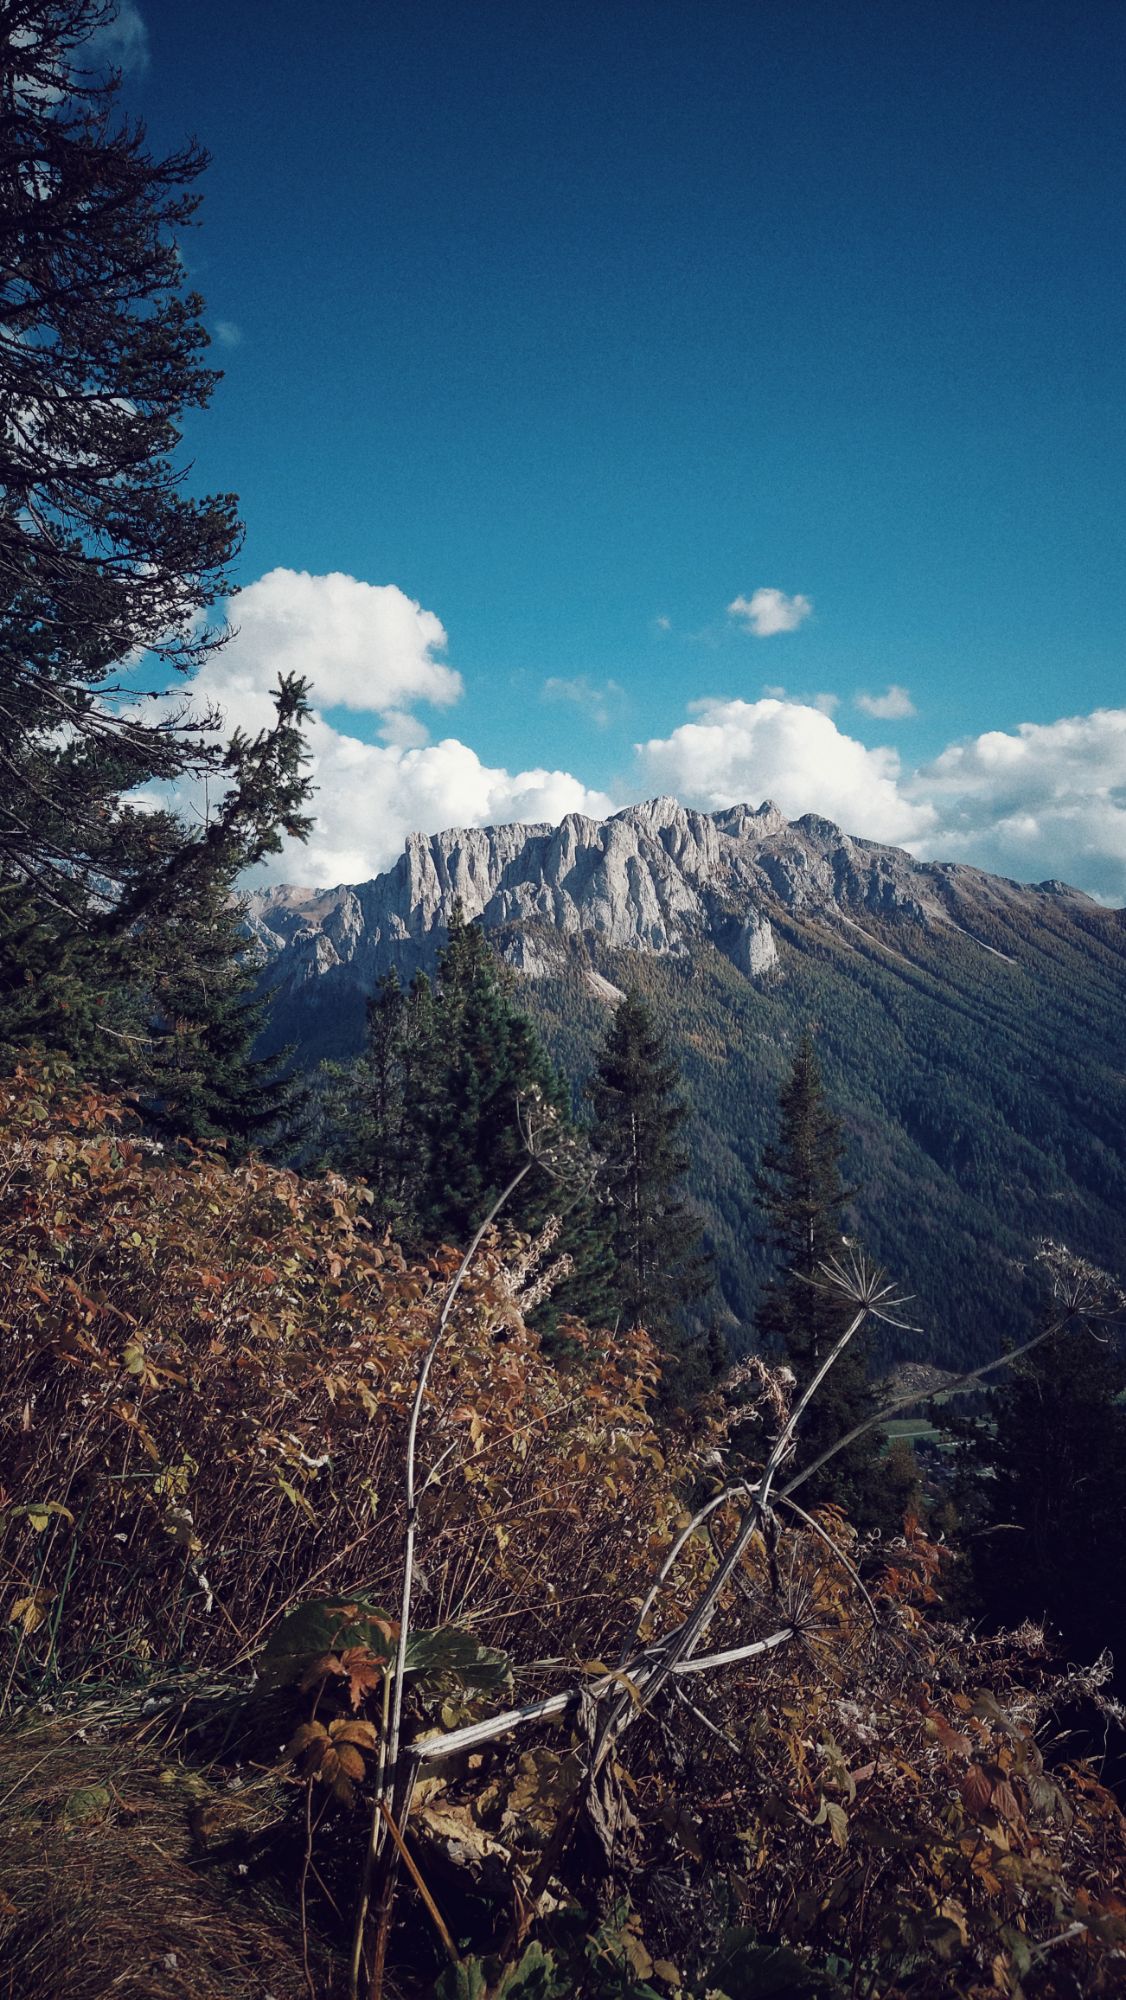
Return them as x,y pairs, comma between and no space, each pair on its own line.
862,1283
755,1391
1083,1291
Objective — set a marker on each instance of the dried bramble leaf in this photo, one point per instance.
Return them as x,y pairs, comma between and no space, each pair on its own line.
977,1791
364,1669
363,1735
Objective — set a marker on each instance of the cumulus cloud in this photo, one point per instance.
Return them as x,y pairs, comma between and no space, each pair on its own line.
1042,800
227,333
826,702
768,611
370,796
121,42
791,752
602,702
893,705
364,646
370,649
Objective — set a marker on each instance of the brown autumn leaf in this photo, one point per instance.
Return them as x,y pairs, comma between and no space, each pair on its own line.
364,1669
977,1791
319,1670
30,1612
341,1757
1005,1802
363,1735
309,1732
952,1740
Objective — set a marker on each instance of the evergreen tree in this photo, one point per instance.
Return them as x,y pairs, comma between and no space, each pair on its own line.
639,1115
202,1079
104,556
116,944
802,1195
431,1117
1043,1496
166,1005
390,1108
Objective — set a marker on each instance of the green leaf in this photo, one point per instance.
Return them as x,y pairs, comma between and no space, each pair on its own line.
533,1979
465,1981
749,1970
331,1625
444,1650
324,1625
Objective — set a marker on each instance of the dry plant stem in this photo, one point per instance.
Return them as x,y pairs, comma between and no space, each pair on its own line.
473,1734
785,1436
816,1529
735,1655
370,1855
389,1773
416,1877
398,1669
686,1533
714,1728
910,1402
680,1645
306,1863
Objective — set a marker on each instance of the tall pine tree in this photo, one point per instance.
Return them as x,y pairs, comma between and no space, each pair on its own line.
117,945
802,1194
431,1116
1043,1495
639,1115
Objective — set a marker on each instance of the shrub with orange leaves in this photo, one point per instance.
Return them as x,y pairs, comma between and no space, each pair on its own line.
207,1380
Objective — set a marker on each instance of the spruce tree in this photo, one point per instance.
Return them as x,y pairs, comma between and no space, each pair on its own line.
431,1116
802,1195
202,1079
117,946
1044,1495
105,556
486,1059
639,1115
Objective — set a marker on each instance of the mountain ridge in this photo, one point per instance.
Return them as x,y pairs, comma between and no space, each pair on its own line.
655,877
971,1029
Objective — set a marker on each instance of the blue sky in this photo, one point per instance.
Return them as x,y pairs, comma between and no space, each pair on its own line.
579,325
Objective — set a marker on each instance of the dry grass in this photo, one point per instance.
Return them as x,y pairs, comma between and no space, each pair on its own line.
107,1886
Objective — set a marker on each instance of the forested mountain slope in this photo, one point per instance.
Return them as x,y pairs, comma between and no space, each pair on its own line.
972,1031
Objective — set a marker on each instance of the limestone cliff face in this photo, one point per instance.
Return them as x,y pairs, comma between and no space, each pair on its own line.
654,878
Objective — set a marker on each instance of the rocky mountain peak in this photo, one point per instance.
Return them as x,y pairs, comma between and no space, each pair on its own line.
655,877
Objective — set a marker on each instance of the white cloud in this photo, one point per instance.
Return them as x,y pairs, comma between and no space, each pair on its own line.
1042,800
826,702
601,702
371,649
768,611
894,705
662,623
227,333
406,731
791,752
370,796
364,646
122,42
